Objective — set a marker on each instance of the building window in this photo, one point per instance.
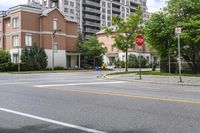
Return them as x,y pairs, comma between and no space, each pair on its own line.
15,40
55,24
103,10
123,9
71,17
66,10
109,11
103,16
72,11
109,5
108,18
103,3
127,10
71,4
28,40
15,22
66,2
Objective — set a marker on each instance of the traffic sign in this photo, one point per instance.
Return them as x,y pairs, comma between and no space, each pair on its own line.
178,30
139,39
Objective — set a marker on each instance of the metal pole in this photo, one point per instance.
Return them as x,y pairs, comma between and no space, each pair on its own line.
169,59
179,58
18,60
140,63
52,51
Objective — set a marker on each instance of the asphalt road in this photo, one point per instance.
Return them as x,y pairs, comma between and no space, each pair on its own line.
79,102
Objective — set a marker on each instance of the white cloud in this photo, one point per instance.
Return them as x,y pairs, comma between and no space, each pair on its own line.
6,4
155,5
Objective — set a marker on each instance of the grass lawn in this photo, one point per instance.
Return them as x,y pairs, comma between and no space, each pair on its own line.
154,73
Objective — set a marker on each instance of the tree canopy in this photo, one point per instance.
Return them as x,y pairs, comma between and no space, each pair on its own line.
91,52
4,57
160,31
125,30
35,57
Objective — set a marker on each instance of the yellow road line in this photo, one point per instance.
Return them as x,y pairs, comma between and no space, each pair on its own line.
134,96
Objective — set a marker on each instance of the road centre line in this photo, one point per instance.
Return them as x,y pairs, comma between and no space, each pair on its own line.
51,121
77,84
132,96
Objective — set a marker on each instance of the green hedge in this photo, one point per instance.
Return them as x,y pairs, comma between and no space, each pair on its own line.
14,67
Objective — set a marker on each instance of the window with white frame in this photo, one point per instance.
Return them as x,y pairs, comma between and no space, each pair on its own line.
55,24
15,40
15,22
28,40
66,2
66,10
71,4
71,11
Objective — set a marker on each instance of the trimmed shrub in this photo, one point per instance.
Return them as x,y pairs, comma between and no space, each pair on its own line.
59,68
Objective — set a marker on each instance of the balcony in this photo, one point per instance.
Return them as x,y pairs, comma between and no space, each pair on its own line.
93,24
88,30
115,15
91,10
91,3
114,9
87,16
116,1
134,3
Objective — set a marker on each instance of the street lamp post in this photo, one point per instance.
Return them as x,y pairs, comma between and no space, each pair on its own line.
179,58
52,46
53,36
18,59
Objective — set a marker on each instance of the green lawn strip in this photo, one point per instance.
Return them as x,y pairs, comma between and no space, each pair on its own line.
167,74
157,73
121,73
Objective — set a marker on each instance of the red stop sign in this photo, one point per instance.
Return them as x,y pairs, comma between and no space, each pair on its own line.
139,39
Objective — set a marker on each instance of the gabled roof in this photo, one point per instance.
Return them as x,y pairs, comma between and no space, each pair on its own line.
47,11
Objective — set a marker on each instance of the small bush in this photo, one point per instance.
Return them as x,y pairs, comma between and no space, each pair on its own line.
119,64
59,68
5,67
4,57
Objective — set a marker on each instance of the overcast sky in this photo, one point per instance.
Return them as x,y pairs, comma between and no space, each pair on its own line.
153,5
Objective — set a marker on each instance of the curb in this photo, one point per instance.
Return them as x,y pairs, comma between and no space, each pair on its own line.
142,81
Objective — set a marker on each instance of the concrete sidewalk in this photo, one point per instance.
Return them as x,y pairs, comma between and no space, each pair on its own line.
190,81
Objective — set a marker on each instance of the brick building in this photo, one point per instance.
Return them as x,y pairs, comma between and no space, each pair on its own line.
114,54
26,25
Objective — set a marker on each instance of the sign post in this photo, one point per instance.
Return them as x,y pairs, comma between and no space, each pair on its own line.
178,32
139,41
